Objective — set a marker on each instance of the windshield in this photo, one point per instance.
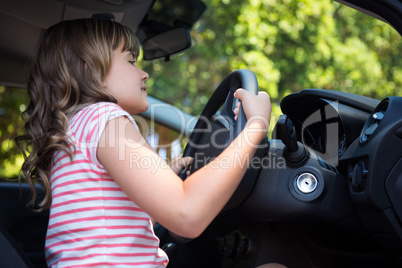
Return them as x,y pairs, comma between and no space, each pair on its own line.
289,45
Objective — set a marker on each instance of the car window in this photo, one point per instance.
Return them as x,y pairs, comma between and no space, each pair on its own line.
167,142
289,45
12,102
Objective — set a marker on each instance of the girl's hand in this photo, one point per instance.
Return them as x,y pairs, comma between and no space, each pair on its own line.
256,107
179,162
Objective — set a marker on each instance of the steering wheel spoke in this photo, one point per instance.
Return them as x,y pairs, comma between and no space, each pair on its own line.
222,97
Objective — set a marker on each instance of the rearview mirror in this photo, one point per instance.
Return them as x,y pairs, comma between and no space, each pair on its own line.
165,44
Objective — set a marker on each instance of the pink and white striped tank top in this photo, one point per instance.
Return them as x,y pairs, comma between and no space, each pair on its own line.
92,221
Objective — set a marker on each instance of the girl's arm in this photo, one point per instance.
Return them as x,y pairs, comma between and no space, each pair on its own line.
184,207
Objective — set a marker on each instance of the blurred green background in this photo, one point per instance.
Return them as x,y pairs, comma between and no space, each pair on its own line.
290,45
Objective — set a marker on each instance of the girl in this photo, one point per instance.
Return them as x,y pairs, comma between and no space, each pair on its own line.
84,146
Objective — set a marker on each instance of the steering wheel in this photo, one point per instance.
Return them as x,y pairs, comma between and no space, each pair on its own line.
223,95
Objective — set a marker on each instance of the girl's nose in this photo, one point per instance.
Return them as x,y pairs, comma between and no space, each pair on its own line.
144,75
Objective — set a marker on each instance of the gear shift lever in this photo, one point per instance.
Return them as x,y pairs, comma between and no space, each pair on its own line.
286,130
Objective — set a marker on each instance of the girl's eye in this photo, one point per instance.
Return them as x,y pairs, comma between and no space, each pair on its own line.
132,62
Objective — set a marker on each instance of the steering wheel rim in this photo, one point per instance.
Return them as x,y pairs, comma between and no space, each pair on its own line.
223,96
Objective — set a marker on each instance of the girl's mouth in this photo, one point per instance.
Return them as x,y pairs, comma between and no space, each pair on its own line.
144,89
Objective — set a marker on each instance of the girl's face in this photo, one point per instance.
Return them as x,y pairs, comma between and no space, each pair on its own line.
126,82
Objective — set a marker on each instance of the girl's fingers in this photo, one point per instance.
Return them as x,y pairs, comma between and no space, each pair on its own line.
188,160
236,111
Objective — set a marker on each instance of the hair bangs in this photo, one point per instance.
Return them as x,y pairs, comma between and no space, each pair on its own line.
130,42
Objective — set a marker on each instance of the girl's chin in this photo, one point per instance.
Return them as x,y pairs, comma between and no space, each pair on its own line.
146,107
138,109
141,109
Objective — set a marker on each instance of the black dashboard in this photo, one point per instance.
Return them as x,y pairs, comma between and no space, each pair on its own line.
328,121
362,138
332,180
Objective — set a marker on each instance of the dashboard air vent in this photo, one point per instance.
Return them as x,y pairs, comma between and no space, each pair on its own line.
374,120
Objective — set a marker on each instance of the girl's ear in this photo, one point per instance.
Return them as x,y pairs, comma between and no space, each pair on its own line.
85,66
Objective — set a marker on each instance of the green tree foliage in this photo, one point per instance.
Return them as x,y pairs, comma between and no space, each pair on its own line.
290,45
13,101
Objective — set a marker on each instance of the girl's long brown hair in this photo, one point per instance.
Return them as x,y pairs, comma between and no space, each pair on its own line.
71,63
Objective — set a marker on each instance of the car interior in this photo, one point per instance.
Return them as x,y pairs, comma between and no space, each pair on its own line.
324,191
